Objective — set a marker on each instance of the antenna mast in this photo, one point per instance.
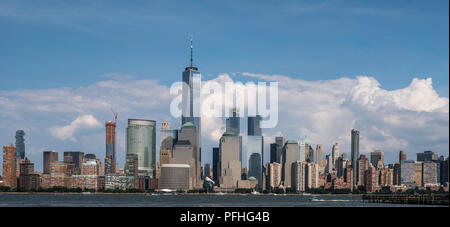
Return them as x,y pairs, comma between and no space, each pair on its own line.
191,51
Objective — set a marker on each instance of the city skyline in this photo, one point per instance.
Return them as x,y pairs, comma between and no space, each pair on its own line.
62,113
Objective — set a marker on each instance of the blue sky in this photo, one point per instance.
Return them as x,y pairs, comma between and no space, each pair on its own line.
48,44
379,66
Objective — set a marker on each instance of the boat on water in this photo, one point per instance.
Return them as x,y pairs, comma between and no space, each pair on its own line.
86,193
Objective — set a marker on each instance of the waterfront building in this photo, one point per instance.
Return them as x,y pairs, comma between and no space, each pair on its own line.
376,157
230,166
60,175
418,174
363,165
76,158
311,175
175,177
348,176
298,176
187,151
110,157
407,173
8,168
429,174
291,152
274,175
386,177
28,179
370,179
49,157
119,181
141,137
355,154
131,165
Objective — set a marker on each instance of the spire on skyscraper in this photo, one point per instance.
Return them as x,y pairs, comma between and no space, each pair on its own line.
191,51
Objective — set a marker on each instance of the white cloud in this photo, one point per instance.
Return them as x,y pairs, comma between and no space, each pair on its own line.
413,118
80,123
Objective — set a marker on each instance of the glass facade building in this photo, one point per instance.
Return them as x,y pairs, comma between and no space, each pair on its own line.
255,154
355,154
141,136
233,122
191,97
407,173
254,128
20,145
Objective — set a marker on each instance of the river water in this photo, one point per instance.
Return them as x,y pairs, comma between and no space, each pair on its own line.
212,200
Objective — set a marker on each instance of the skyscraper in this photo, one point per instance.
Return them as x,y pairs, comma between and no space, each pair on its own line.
427,156
319,157
406,173
49,157
110,157
401,156
355,154
254,128
429,174
9,172
255,154
363,165
375,157
191,95
233,122
230,167
141,140
334,155
298,176
20,145
255,150
187,151
291,154
276,150
215,164
167,139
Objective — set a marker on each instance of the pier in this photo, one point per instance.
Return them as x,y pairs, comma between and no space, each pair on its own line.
426,199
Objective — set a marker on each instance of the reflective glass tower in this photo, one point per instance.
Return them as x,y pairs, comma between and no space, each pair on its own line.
255,156
233,122
141,136
20,145
191,95
253,126
355,154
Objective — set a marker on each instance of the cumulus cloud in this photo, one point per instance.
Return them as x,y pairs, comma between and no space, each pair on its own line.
80,123
413,118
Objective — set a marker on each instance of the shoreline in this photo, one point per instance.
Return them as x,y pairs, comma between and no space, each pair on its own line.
173,194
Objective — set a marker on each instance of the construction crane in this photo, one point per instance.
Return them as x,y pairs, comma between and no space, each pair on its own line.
115,124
